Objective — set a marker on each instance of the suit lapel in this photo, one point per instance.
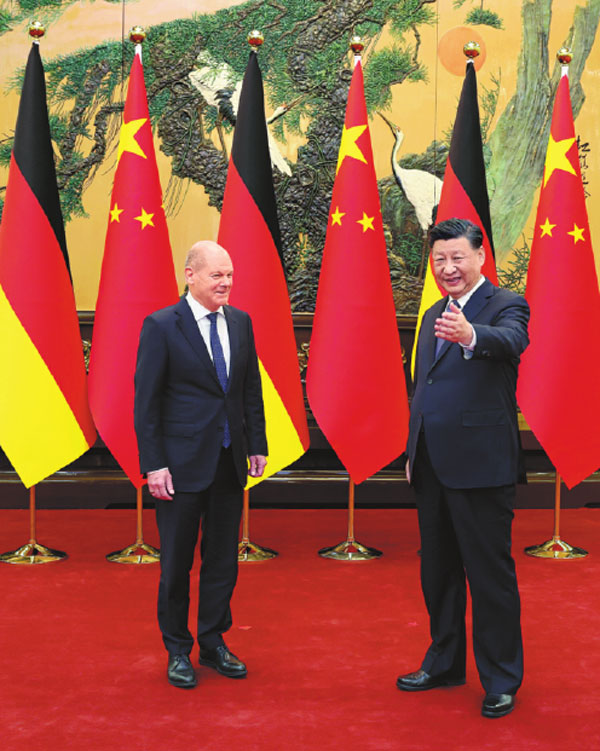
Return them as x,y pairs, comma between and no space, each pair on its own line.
431,340
189,328
234,340
478,300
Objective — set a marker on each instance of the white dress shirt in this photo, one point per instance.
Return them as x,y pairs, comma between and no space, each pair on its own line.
201,316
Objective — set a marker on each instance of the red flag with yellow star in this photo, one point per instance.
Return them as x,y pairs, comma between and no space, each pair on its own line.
355,379
138,277
558,379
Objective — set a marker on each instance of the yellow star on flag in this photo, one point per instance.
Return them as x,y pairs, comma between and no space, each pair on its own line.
556,157
145,219
547,228
348,145
576,233
367,222
115,213
336,217
127,140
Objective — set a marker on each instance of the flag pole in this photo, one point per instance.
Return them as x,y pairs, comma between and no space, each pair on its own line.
555,547
350,549
562,205
249,551
140,551
32,552
68,431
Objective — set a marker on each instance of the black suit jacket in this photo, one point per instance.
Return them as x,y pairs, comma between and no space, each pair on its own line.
467,408
180,407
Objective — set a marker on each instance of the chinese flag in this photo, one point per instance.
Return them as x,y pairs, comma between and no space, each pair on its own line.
558,389
355,379
249,230
45,421
464,192
137,277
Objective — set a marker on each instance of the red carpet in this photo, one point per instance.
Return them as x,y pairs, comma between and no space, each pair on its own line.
84,667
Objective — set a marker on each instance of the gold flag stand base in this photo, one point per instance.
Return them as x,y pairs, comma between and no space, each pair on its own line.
32,553
140,551
556,548
250,552
350,550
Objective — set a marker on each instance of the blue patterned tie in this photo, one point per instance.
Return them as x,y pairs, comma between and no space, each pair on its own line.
220,366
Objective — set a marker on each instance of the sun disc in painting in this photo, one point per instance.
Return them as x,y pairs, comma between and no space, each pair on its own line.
450,49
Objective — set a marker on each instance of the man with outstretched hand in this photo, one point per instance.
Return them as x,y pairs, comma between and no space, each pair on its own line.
464,458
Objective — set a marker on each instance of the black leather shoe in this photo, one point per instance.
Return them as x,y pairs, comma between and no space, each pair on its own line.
422,681
180,672
223,661
497,705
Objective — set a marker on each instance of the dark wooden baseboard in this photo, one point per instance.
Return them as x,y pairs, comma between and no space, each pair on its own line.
289,489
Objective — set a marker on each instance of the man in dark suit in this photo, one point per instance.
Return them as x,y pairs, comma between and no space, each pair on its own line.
199,418
464,460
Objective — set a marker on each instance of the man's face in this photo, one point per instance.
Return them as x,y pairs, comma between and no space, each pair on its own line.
210,281
456,265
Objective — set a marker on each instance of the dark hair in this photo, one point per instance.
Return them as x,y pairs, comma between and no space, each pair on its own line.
451,229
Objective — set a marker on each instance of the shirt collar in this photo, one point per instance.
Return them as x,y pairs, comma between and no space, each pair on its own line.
462,301
198,309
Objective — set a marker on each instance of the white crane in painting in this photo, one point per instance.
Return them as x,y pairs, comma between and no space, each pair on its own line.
220,87
421,188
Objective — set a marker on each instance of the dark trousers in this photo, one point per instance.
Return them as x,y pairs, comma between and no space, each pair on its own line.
467,533
218,509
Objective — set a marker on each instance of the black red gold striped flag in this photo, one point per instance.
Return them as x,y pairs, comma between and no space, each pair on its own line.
249,230
464,192
45,422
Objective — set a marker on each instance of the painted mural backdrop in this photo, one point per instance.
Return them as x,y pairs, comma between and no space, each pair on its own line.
194,59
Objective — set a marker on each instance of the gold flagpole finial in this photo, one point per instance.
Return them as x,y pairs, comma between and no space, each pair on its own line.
36,30
255,39
564,56
471,50
356,45
137,34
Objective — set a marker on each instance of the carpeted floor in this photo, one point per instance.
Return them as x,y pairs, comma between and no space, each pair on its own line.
84,667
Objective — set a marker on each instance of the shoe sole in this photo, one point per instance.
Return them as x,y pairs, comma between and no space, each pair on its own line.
441,684
494,715
179,684
222,672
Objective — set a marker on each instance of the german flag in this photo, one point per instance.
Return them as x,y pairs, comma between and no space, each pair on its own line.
45,421
249,230
464,192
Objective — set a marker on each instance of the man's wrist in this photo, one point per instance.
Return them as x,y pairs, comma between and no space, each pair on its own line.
472,343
